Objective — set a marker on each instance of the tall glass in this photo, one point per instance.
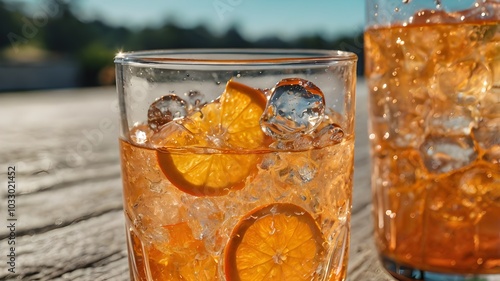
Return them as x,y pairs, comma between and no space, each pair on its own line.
433,72
237,164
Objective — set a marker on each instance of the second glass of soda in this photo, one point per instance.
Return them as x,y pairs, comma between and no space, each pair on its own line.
433,72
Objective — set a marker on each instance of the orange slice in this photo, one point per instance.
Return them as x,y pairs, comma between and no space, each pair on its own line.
228,127
277,242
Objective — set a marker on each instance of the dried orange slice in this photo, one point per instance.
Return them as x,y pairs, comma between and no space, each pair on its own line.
277,242
228,127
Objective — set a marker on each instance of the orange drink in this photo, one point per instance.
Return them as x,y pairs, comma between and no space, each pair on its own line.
237,165
434,80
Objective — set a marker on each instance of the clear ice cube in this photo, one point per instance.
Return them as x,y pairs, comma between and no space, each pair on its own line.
443,154
151,213
484,183
141,134
432,16
331,133
295,107
162,138
195,100
483,10
300,169
166,109
487,133
326,134
399,118
466,81
268,186
408,168
418,50
205,218
449,119
449,204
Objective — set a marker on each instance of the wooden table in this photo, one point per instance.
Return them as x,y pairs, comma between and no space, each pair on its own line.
68,206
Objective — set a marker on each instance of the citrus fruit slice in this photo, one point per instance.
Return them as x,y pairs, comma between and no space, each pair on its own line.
227,128
276,242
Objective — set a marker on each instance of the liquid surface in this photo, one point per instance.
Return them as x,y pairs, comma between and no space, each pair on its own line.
434,129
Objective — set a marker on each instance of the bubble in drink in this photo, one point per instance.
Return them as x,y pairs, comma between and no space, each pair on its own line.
442,154
166,109
296,107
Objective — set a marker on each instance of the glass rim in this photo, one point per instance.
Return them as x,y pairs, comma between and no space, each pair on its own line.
243,57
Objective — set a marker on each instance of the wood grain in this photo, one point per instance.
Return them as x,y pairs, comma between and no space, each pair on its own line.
69,204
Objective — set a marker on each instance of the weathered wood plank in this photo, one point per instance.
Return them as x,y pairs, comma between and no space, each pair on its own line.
43,211
114,267
49,132
89,245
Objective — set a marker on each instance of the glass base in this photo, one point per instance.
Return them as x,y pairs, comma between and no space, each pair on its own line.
407,273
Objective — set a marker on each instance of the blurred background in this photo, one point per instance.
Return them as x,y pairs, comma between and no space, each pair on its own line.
47,44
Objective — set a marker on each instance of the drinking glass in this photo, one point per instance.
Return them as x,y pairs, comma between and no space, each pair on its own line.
237,164
433,72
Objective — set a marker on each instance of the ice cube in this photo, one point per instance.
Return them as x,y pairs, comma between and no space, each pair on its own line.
162,137
307,171
407,129
487,134
296,107
451,204
205,218
152,212
407,168
141,134
443,154
482,182
195,100
166,109
402,129
418,50
325,135
300,169
446,119
483,10
268,186
432,16
330,134
466,82
399,118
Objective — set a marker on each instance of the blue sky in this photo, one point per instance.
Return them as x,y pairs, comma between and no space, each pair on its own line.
287,19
